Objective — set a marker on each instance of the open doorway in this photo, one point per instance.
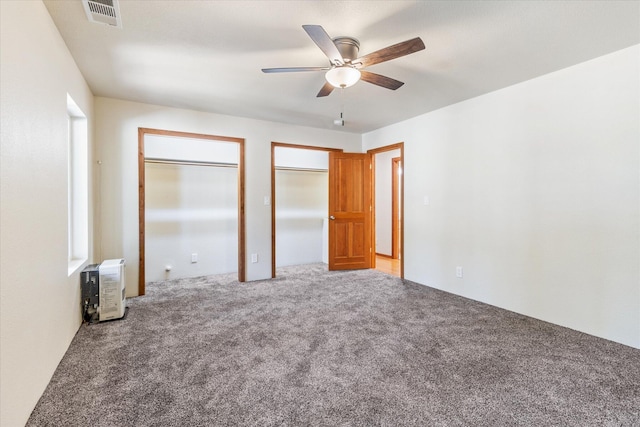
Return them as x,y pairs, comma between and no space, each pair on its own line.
189,219
299,200
396,213
388,191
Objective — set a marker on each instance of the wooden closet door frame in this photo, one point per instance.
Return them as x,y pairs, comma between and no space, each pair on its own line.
141,197
273,190
373,152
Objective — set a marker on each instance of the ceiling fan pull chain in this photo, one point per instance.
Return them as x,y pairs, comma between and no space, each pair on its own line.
342,106
340,121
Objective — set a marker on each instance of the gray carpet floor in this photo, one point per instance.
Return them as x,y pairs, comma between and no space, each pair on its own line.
319,348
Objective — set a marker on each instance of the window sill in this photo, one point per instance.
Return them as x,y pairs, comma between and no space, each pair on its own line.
74,265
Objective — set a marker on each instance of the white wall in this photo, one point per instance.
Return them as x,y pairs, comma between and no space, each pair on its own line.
117,144
40,302
190,209
288,157
302,203
383,201
534,190
190,149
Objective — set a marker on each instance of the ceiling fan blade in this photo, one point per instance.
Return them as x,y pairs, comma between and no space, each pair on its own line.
379,80
294,69
324,42
326,90
391,52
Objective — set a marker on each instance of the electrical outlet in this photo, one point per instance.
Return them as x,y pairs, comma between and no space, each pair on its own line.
254,258
459,272
194,258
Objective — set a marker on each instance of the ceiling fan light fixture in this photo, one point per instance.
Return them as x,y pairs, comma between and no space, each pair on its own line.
343,76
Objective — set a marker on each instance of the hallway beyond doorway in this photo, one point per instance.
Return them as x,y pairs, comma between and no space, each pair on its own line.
388,265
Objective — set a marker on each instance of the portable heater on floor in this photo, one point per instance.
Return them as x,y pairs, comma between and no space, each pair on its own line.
103,291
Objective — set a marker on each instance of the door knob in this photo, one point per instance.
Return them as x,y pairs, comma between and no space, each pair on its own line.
332,217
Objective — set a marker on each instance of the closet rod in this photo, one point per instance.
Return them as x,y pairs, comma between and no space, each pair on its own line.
286,168
189,162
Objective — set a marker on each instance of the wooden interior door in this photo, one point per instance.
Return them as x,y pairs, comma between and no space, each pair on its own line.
349,211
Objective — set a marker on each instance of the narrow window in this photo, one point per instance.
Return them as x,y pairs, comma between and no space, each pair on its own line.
77,187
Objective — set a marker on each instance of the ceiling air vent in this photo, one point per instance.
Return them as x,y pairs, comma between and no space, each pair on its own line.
103,12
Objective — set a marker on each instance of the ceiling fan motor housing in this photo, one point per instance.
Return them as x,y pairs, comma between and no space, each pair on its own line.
348,47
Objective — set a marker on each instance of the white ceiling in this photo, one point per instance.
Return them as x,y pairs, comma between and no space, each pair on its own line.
207,55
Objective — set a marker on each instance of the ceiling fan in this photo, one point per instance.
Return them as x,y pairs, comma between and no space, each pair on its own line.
346,67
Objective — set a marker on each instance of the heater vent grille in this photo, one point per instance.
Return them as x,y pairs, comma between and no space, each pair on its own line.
103,12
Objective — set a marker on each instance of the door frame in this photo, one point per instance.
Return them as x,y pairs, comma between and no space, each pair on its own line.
141,197
373,152
396,166
275,144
